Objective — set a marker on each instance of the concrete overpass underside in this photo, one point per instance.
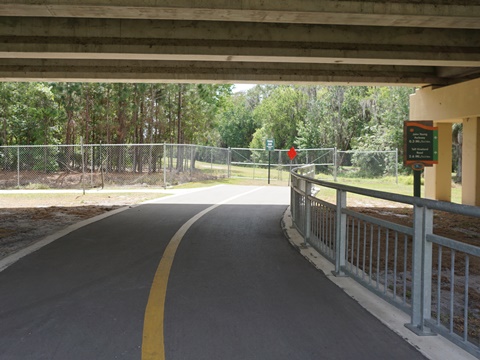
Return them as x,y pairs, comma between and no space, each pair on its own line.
433,44
309,41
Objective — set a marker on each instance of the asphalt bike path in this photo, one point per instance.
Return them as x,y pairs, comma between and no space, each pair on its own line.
84,296
242,292
236,289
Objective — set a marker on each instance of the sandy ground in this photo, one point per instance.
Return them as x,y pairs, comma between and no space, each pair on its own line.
28,217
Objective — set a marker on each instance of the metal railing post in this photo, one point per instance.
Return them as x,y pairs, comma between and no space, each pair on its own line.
341,233
421,270
427,266
416,320
293,208
308,212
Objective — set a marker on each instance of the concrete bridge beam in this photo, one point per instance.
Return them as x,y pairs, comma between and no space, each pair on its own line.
412,56
438,14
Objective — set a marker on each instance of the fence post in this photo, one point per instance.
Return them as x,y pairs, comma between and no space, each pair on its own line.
91,166
279,166
396,165
335,165
191,160
101,165
211,160
83,164
229,163
341,233
165,165
18,166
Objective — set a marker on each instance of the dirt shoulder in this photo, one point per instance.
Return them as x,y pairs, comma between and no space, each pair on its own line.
28,217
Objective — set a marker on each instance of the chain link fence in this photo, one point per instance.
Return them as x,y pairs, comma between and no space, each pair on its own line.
328,162
366,164
253,163
161,165
91,166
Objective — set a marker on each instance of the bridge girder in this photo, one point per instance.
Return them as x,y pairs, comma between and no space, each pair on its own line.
400,42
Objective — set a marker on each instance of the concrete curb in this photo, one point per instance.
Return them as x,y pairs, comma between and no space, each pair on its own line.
433,347
13,258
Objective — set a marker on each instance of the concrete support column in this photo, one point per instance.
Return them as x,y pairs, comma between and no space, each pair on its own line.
471,162
446,105
438,184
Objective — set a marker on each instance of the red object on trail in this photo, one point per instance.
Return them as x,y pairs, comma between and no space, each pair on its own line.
292,153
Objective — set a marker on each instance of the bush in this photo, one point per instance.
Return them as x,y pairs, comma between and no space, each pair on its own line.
373,164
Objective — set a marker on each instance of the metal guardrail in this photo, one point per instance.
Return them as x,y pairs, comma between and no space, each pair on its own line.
434,279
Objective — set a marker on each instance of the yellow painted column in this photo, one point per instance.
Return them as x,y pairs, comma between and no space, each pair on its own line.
471,162
438,183
429,181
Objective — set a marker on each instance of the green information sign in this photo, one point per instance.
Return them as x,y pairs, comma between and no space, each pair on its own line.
270,144
421,143
420,140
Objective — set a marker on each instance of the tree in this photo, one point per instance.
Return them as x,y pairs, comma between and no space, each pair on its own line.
236,123
280,115
457,140
6,90
388,108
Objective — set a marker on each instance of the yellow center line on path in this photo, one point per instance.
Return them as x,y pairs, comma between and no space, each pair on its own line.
153,345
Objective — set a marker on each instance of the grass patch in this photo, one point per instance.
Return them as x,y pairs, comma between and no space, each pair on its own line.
386,184
232,181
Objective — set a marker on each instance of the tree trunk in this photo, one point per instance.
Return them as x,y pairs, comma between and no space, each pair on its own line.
87,117
180,148
459,146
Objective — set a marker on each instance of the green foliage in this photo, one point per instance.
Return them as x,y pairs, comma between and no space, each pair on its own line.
372,165
28,113
388,108
62,113
235,122
363,118
280,115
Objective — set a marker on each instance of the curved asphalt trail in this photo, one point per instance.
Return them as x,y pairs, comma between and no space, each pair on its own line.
237,290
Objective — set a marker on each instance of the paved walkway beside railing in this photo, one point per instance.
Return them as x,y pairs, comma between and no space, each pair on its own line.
204,275
434,279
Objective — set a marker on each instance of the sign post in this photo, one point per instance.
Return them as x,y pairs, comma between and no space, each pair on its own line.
269,146
292,153
420,149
